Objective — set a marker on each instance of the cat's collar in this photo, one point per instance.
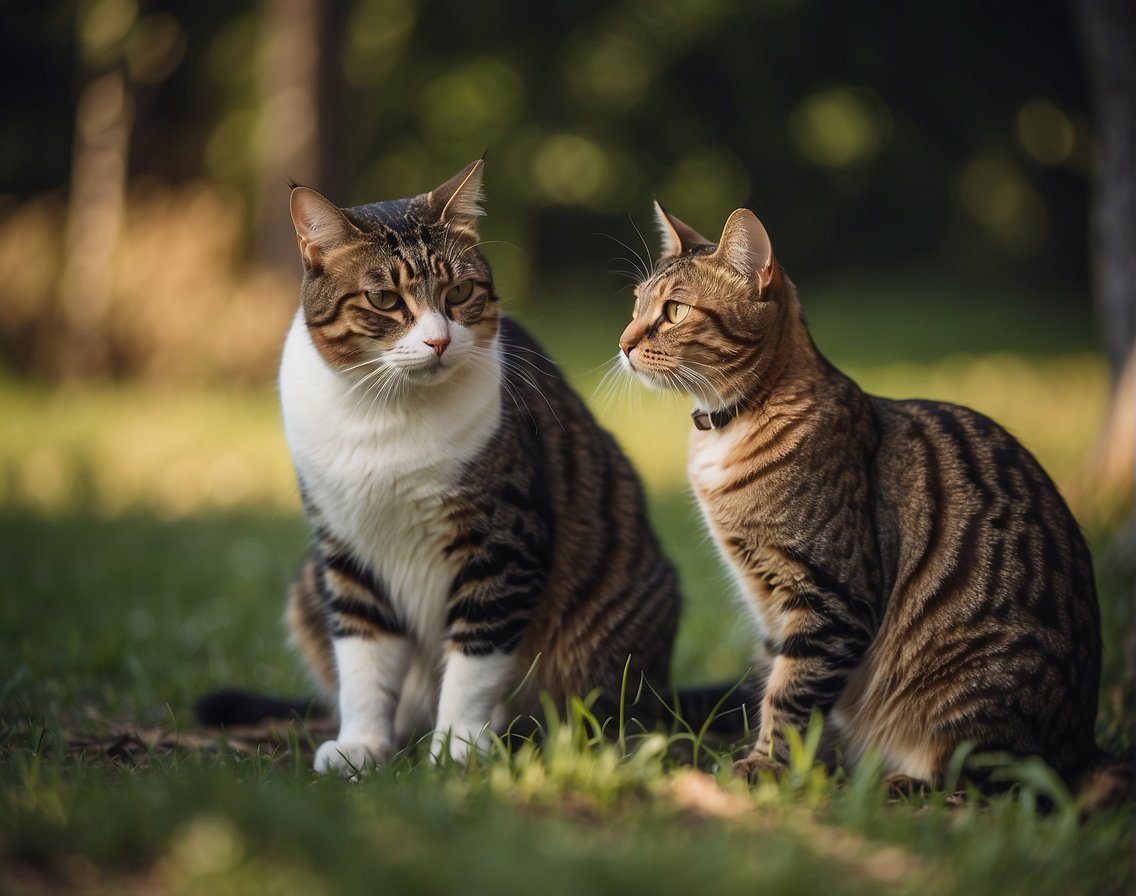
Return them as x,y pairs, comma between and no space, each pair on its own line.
705,420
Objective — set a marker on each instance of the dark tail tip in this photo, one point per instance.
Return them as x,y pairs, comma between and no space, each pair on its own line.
721,709
232,707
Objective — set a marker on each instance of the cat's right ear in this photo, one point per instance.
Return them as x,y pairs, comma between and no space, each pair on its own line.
320,226
677,236
457,202
745,247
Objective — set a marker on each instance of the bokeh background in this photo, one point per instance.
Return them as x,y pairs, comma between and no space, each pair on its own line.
927,172
147,146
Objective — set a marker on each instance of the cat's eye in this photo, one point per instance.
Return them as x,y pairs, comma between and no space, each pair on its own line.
675,311
383,299
459,292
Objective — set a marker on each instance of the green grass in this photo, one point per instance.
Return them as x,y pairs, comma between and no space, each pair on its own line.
106,623
146,539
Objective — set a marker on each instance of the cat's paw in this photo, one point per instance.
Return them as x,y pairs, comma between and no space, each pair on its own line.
755,766
348,759
901,786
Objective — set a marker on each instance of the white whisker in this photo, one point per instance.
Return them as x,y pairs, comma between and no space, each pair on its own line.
526,372
646,249
641,268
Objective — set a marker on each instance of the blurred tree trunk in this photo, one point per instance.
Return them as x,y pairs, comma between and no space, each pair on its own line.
104,117
1108,29
301,86
1108,32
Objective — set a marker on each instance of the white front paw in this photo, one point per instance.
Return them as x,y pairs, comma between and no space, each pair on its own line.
444,742
348,759
460,744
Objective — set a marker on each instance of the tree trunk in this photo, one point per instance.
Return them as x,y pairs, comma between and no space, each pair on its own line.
1108,29
299,137
103,120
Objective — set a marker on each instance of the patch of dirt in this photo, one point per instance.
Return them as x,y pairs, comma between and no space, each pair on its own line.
885,865
274,739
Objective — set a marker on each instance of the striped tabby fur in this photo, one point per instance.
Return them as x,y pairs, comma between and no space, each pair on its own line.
913,572
472,524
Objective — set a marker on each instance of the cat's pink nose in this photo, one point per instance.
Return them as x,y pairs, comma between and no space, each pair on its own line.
439,344
626,345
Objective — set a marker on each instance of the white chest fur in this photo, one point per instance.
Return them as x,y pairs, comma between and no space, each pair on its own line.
708,470
378,471
709,450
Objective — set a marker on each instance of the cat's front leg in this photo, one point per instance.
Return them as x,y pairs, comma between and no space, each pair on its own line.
472,686
822,640
370,673
492,601
785,704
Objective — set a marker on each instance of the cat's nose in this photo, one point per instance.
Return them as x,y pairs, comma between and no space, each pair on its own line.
438,344
631,337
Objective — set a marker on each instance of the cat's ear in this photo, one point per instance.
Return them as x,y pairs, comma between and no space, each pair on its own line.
677,236
745,246
320,226
457,202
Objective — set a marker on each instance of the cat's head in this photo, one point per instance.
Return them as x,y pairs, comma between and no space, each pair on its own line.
703,319
397,289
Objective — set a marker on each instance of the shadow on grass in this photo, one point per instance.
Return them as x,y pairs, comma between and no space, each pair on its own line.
130,619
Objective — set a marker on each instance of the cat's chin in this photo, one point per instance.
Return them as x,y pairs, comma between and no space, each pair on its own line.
429,375
650,378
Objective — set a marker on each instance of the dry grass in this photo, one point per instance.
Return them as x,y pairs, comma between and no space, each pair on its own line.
185,306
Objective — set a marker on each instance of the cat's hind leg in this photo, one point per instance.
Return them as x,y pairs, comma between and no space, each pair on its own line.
306,616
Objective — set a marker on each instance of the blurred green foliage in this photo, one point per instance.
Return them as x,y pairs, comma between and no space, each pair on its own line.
869,135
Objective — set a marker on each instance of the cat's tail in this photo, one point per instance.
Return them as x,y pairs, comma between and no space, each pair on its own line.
1106,783
229,707
722,710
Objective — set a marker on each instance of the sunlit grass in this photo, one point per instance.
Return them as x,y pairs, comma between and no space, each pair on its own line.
116,449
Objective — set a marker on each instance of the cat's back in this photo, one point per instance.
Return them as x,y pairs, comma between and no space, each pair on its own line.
960,486
969,465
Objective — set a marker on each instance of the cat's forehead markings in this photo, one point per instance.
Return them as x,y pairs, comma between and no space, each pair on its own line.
441,267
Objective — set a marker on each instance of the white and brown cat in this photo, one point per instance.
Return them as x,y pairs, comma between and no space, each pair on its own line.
474,531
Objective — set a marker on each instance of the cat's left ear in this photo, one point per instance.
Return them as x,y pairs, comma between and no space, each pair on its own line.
745,247
457,202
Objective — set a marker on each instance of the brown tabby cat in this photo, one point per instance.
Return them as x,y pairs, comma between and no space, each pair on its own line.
913,572
472,524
